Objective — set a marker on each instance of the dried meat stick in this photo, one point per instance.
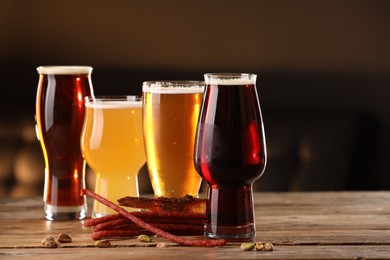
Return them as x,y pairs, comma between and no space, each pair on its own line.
172,220
116,233
168,215
165,217
166,227
113,224
126,224
95,221
96,235
157,231
120,221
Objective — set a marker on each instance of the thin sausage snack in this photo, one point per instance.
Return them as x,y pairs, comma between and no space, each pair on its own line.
126,223
154,230
152,216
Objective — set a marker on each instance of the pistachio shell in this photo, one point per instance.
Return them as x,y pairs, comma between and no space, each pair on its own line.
102,243
247,246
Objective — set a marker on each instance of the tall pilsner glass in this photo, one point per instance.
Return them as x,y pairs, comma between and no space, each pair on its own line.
230,153
59,119
112,144
170,116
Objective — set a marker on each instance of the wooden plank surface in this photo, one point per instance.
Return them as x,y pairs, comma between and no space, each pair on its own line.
309,225
174,253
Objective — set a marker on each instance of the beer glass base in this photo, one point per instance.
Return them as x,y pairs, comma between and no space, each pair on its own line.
235,233
65,213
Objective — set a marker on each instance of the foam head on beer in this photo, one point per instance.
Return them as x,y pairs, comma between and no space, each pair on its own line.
114,104
177,87
64,70
231,80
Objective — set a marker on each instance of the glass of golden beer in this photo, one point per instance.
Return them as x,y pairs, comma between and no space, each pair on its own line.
170,115
112,145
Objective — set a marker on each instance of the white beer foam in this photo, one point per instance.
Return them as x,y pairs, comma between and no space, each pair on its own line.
64,70
174,88
114,104
231,82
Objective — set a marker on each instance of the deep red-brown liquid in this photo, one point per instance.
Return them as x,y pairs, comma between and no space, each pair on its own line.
60,102
230,154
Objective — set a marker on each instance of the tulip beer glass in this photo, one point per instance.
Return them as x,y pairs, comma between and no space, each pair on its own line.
230,153
171,110
112,144
59,120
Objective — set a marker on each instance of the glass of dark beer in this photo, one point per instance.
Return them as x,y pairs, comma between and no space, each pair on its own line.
230,153
59,121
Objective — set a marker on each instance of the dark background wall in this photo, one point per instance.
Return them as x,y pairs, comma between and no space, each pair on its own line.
323,66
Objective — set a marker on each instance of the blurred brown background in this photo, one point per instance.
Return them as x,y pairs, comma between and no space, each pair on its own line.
323,76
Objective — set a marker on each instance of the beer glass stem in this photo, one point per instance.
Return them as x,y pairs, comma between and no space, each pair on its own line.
230,212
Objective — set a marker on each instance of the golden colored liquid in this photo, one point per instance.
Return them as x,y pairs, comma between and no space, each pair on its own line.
170,122
112,145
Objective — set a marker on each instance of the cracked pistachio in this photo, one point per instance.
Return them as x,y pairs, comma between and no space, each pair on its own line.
51,244
268,247
47,240
64,238
144,238
259,246
247,246
103,243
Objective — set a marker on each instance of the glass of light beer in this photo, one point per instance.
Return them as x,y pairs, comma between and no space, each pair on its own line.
112,145
59,120
170,115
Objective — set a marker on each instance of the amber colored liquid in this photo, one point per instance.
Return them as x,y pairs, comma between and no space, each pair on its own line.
112,144
230,155
169,129
60,115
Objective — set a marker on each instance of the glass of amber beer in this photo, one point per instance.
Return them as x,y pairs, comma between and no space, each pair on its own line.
112,144
59,120
171,110
230,153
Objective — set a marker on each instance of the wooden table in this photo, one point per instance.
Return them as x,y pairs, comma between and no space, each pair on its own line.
319,225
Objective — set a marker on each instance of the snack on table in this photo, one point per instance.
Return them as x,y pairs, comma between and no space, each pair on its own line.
187,203
144,226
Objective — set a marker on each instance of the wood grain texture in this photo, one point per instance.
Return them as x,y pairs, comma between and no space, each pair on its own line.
303,225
